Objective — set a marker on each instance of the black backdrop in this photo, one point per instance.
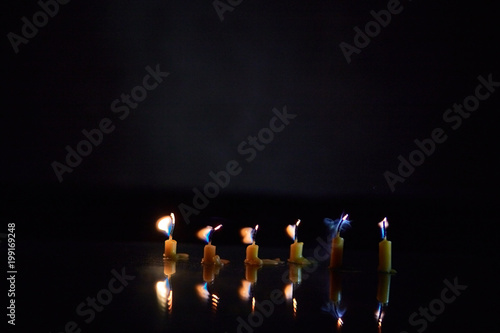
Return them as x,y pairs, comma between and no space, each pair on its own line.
353,119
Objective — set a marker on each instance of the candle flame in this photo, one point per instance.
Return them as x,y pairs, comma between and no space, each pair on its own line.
379,314
244,290
340,322
291,230
248,234
383,227
170,301
215,302
206,233
166,224
294,306
338,225
253,304
202,290
334,309
288,291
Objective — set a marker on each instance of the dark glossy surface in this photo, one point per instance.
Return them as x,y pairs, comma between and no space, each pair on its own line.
63,275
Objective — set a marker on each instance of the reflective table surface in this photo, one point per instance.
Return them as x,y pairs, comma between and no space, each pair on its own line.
128,287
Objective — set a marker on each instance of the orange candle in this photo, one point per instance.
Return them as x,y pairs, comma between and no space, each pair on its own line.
252,251
209,252
167,224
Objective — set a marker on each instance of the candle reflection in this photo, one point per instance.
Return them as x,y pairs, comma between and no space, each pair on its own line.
295,278
204,293
209,272
334,307
163,288
164,295
383,290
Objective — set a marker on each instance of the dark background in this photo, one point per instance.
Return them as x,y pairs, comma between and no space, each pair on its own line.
353,120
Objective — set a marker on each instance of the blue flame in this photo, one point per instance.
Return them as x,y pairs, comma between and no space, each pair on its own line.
338,225
334,309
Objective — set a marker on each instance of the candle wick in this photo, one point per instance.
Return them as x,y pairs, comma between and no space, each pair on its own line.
170,237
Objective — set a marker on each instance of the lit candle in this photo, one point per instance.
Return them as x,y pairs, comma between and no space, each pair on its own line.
337,252
252,251
167,224
296,247
209,256
384,250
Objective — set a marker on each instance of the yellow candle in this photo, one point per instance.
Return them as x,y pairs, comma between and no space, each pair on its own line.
384,285
170,249
296,252
209,254
337,252
384,249
252,257
167,224
384,256
296,247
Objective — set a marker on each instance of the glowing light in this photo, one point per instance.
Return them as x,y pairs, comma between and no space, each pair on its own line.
166,224
164,295
294,307
340,322
288,291
215,301
248,234
244,291
291,230
202,291
253,304
383,227
206,233
379,314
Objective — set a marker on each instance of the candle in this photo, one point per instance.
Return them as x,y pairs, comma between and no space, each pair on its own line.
337,252
209,256
296,247
384,249
167,225
252,251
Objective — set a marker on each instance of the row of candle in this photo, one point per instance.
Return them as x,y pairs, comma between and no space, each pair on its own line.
167,224
164,291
